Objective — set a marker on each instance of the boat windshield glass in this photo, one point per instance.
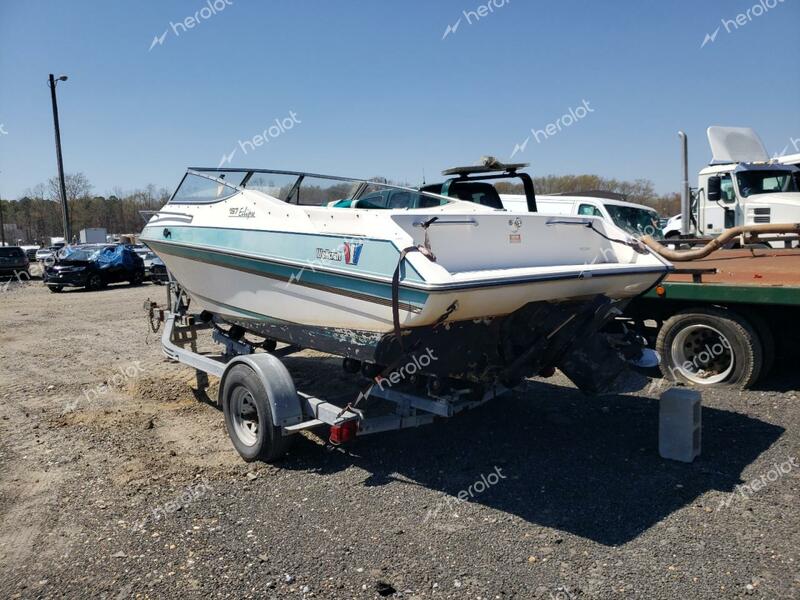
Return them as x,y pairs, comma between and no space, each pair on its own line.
198,190
765,182
319,191
201,186
277,185
636,221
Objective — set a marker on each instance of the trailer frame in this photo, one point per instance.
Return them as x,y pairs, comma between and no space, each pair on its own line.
292,411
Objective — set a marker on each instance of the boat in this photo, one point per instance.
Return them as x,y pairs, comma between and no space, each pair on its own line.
376,272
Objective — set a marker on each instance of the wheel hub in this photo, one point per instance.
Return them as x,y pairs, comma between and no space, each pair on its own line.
244,416
702,354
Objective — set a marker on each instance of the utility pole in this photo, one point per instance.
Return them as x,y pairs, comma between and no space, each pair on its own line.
64,207
2,226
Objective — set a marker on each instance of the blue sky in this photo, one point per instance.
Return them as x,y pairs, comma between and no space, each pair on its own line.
376,90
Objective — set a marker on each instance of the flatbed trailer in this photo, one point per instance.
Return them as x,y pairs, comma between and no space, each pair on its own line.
723,319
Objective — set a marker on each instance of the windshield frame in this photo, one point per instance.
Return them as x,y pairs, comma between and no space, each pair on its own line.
359,186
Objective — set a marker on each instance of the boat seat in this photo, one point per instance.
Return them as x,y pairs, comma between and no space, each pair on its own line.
478,192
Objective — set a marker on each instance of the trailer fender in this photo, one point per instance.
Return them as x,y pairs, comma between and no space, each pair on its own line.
281,393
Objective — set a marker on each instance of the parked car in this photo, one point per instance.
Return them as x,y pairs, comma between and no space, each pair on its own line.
94,267
158,270
13,262
30,252
44,253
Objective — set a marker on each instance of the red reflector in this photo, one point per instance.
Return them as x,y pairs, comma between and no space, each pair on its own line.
344,432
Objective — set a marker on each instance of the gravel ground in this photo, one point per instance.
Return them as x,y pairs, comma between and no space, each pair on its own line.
117,480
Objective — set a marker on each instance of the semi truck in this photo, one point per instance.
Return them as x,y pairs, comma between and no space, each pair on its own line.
740,186
724,319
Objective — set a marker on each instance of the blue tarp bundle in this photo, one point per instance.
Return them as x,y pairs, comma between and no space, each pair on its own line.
116,256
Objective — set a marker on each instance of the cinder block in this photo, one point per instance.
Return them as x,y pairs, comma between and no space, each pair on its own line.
680,424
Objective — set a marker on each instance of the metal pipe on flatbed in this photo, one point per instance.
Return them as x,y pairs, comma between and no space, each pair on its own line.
685,195
719,242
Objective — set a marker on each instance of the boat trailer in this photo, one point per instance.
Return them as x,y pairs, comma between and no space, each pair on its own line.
263,410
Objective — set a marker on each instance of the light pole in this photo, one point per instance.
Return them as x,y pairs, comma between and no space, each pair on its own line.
64,207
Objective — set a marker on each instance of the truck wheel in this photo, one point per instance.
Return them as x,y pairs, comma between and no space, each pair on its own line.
248,417
709,346
767,339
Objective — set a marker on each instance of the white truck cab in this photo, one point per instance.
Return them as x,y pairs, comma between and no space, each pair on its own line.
742,186
636,219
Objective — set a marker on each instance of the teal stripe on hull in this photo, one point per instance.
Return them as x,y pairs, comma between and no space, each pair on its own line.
376,257
360,289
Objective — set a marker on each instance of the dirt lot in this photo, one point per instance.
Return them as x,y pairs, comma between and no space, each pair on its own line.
117,480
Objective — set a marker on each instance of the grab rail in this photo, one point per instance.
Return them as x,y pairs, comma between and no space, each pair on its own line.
472,222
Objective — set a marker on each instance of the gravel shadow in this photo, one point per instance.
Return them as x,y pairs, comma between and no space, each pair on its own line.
587,466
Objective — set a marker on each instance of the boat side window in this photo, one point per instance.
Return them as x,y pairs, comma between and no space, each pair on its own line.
401,200
200,190
277,185
318,191
371,201
588,210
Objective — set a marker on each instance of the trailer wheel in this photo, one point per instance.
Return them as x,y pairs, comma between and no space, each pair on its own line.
709,346
248,417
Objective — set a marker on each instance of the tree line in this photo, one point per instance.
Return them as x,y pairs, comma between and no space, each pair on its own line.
37,214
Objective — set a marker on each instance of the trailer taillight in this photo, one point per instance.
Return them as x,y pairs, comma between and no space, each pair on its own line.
344,432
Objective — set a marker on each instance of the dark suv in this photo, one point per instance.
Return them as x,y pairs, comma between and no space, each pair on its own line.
94,267
13,262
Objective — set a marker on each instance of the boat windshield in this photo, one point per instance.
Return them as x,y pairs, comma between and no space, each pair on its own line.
636,221
765,182
202,186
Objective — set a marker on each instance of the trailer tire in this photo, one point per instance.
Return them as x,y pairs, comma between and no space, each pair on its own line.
731,345
249,419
